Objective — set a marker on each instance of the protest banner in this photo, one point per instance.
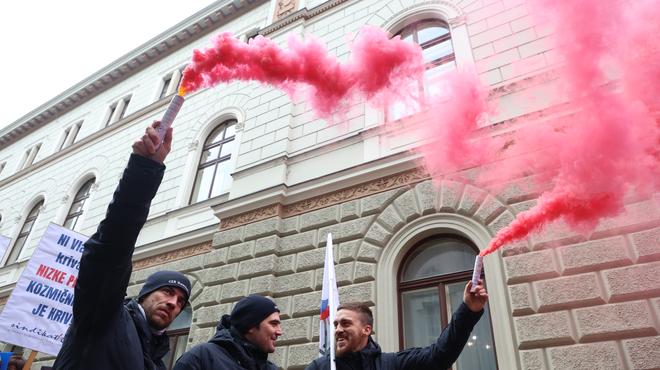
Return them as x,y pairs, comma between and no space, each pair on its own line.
39,310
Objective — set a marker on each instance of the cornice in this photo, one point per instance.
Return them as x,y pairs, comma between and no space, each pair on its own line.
178,254
302,14
173,39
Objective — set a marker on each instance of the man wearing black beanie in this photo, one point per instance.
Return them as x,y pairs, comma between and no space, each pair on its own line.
242,341
109,331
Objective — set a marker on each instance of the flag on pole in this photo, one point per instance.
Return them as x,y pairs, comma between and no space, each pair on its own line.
329,304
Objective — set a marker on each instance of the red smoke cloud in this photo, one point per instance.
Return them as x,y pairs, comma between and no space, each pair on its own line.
379,65
608,148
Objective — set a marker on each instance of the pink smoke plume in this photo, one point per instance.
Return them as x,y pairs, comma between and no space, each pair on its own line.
611,146
378,66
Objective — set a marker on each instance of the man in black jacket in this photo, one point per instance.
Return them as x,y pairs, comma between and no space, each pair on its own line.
355,349
243,339
107,331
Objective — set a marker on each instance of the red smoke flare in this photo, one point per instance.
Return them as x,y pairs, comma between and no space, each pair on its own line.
379,65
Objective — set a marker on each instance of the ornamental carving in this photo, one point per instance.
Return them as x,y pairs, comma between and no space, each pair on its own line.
284,8
178,254
355,192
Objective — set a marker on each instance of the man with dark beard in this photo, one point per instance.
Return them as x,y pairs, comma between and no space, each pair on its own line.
355,349
109,331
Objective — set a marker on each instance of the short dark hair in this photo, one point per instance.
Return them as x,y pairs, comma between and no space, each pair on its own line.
366,316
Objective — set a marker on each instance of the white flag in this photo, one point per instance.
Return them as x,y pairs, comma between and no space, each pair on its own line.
329,304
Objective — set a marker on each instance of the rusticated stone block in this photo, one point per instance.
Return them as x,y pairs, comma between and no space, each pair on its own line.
228,237
614,321
286,265
297,242
296,331
376,203
133,290
644,353
521,299
520,190
364,272
530,266
555,234
343,274
267,245
637,216
240,252
201,335
350,210
489,209
348,230
208,297
647,245
594,255
234,291
543,330
257,266
364,293
306,304
216,258
348,250
262,285
310,259
207,317
285,306
279,357
300,355
219,275
532,360
601,356
295,283
500,222
568,292
391,219
633,282
378,235
319,218
289,226
450,195
406,204
368,253
427,194
471,200
263,228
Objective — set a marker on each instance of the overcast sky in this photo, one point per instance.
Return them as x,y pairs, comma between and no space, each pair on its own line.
49,46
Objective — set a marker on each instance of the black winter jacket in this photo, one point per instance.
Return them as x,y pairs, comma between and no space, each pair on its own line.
439,355
227,350
108,332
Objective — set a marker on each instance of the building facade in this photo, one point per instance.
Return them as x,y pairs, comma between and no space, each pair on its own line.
255,182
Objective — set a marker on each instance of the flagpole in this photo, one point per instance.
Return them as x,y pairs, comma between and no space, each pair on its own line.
331,300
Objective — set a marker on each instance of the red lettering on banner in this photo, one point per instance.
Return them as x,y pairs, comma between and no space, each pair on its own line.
51,274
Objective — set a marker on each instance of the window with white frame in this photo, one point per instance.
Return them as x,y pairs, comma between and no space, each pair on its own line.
78,205
24,234
213,172
434,37
29,156
431,281
117,110
170,83
69,135
178,333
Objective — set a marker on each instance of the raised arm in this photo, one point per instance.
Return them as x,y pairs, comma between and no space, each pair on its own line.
446,349
106,266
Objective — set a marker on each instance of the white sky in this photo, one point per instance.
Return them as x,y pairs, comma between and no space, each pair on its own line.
49,46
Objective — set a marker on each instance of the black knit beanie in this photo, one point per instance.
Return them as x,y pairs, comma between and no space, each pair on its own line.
160,279
250,312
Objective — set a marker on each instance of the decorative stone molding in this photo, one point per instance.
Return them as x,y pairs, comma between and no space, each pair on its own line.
193,145
359,191
3,300
65,199
178,254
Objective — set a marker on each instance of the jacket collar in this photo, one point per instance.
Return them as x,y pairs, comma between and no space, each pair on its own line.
154,347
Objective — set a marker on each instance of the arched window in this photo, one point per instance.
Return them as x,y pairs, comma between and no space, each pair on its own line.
23,236
433,36
213,173
431,283
178,333
77,207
